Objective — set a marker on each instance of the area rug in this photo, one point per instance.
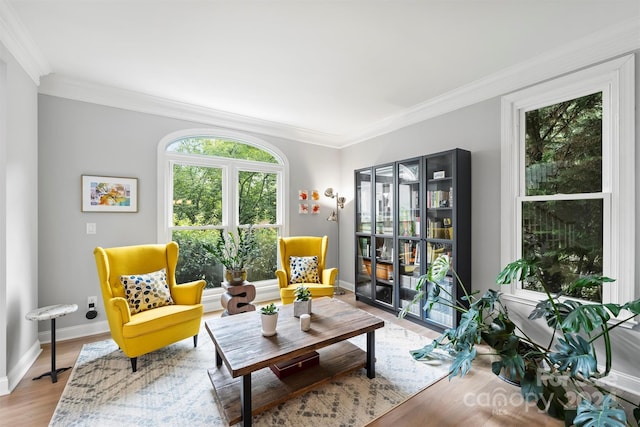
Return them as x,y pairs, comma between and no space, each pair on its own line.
172,388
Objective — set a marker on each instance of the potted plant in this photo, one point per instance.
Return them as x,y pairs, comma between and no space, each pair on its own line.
269,318
552,374
234,252
302,301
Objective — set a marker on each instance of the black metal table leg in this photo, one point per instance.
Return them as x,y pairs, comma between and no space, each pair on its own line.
371,354
218,358
54,372
245,400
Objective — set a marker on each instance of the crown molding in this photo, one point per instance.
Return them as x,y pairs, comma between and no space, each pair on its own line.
81,90
609,43
19,43
600,46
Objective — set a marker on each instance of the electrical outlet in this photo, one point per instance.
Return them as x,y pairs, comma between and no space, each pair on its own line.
91,302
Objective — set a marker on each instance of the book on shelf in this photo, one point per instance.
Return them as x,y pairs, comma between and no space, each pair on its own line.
439,199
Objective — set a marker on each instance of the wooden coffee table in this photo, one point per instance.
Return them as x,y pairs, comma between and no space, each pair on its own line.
240,345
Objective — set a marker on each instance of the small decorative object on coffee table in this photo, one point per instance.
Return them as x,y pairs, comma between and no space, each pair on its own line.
302,303
305,322
269,315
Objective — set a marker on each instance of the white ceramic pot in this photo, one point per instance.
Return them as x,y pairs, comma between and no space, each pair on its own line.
269,322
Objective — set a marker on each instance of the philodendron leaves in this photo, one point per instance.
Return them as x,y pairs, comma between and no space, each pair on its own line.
462,362
607,415
439,268
576,355
545,309
516,271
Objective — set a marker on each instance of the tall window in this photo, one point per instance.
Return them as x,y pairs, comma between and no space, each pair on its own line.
568,180
214,183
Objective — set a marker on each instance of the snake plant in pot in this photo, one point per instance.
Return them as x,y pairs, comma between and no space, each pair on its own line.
561,375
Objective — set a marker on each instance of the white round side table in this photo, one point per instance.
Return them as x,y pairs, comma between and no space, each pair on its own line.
52,312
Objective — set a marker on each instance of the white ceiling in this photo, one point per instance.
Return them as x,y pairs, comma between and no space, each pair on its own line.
328,66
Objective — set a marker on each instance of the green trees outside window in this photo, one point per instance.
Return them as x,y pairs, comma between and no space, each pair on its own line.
562,210
222,184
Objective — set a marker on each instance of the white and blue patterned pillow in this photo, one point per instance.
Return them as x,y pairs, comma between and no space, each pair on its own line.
146,291
304,269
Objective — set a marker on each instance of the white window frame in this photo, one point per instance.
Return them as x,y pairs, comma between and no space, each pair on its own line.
230,171
615,79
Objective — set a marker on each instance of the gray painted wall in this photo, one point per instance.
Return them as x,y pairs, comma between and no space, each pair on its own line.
81,138
18,218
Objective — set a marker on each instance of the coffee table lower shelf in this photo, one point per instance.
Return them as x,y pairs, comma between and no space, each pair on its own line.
267,390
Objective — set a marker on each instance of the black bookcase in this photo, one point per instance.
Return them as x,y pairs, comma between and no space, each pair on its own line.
406,214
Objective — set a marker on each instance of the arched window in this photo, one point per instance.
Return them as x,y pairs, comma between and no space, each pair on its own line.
213,180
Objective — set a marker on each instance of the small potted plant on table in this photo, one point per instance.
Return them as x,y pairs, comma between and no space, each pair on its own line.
269,317
302,303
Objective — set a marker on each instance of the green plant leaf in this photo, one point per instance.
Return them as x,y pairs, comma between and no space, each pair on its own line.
586,317
530,386
590,281
499,335
553,400
439,269
425,353
487,301
607,415
462,362
575,355
516,271
467,334
633,306
554,319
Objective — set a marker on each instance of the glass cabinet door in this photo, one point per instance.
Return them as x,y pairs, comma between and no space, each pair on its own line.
440,227
384,199
408,274
363,266
384,270
409,198
363,201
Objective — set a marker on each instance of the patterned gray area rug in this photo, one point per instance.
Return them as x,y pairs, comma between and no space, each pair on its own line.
172,388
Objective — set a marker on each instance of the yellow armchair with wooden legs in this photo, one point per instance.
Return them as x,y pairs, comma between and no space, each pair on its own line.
145,307
299,270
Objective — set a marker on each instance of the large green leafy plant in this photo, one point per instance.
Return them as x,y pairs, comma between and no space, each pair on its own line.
234,251
553,373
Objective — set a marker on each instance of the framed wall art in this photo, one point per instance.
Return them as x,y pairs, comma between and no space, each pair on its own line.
109,194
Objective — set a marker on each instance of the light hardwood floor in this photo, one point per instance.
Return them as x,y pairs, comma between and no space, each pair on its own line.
32,403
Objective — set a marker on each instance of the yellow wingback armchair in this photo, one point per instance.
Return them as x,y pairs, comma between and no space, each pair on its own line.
149,330
305,246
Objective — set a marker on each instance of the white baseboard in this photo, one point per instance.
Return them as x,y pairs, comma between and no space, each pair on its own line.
4,386
622,381
8,383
